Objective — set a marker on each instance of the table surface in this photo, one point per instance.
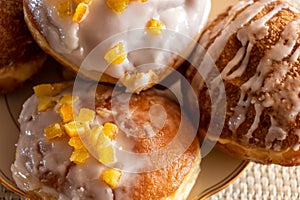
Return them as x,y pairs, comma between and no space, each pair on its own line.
257,182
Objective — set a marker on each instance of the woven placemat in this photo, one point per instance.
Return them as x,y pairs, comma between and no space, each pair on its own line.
261,182
264,182
8,195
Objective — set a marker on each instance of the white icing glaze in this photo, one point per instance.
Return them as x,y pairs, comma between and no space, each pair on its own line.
279,91
75,41
41,156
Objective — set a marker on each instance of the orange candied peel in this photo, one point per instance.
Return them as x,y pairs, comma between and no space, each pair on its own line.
68,99
118,6
74,128
106,155
53,131
76,143
79,156
111,177
116,55
44,103
155,27
48,89
110,130
66,113
81,12
85,116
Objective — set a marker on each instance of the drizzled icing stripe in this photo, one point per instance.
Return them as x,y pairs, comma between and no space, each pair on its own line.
279,91
282,49
215,50
224,23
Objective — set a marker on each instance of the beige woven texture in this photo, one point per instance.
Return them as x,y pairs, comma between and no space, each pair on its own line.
264,182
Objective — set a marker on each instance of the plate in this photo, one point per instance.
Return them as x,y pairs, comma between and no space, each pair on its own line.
218,170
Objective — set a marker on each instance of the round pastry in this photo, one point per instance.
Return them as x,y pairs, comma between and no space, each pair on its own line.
135,42
255,45
20,56
68,150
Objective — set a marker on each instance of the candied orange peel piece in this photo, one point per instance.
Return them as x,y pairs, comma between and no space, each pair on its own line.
118,6
79,156
110,130
68,99
106,155
116,55
85,116
53,131
81,12
74,128
43,90
155,27
76,143
66,113
44,103
111,177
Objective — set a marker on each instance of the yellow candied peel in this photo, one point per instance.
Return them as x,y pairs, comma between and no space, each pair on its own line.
116,55
111,177
53,131
79,156
155,27
85,116
74,128
68,99
81,12
106,155
43,90
44,103
118,6
110,130
76,143
66,113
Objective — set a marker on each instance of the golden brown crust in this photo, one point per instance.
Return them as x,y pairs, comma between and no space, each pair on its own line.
20,57
257,137
163,182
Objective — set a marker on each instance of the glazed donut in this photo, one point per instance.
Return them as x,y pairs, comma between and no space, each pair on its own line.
134,42
66,148
255,46
20,56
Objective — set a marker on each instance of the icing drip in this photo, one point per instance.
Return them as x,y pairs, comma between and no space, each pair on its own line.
297,146
274,84
214,51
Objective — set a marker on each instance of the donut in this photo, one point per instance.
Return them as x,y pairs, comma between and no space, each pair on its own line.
73,148
135,43
20,56
255,48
